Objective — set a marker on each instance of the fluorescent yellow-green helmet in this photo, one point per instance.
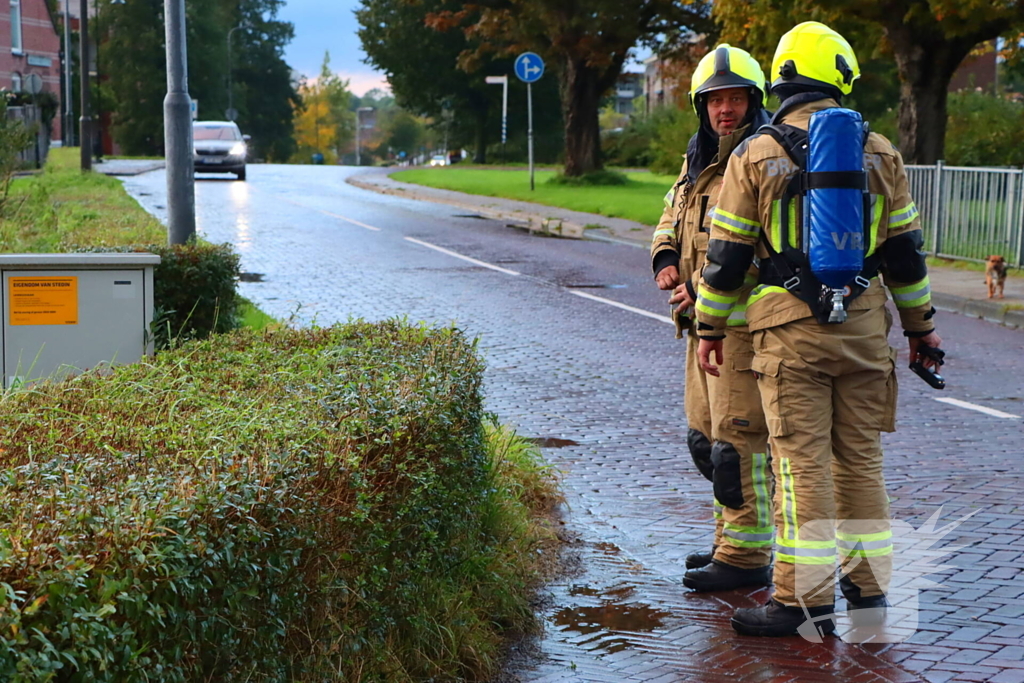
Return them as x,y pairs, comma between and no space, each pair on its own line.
728,67
813,54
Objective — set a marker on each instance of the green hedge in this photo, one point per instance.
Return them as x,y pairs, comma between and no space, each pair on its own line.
194,290
276,506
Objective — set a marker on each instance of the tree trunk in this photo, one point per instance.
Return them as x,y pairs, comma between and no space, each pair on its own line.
926,63
581,89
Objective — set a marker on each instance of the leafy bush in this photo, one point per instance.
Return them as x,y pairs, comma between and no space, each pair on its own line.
194,290
603,177
657,141
276,506
984,130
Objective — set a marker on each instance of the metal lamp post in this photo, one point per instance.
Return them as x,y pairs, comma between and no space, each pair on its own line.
181,190
85,119
231,114
503,82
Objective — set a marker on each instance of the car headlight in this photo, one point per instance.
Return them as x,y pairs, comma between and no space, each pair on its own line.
238,150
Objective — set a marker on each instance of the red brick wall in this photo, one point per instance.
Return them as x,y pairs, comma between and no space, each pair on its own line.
40,42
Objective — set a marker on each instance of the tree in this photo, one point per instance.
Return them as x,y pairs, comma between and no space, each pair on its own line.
133,62
264,93
421,63
324,124
928,38
586,42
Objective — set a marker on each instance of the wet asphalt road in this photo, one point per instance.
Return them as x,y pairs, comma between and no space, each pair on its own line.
607,375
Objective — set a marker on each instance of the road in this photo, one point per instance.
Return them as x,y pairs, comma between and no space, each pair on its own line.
579,348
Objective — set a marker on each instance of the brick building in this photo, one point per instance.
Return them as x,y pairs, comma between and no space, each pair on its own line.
29,45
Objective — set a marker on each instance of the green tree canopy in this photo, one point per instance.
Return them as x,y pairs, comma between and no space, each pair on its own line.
928,39
133,66
585,42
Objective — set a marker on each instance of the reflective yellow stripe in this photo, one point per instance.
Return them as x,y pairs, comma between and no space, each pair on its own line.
775,231
665,231
903,216
864,538
749,536
761,291
794,240
738,317
759,475
670,197
877,206
718,509
734,223
865,545
913,295
788,501
718,298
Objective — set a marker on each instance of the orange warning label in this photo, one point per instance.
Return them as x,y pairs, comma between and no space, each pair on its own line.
43,300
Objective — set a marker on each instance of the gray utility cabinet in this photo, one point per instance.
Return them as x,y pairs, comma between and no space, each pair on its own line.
64,313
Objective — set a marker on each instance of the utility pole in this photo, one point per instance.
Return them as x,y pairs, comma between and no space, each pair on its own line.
181,191
231,114
68,126
85,121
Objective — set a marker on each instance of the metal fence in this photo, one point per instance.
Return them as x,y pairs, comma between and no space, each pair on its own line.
35,155
970,213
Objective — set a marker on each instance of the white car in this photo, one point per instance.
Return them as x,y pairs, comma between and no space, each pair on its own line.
219,147
439,160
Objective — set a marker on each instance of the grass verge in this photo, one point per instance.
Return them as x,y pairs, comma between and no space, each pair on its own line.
291,505
638,199
63,208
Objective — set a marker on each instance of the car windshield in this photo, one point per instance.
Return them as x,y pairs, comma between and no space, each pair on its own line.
216,133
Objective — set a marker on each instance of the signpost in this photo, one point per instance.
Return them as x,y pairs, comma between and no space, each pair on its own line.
529,68
503,82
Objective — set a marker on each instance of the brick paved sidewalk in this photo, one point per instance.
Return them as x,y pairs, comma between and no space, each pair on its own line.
955,290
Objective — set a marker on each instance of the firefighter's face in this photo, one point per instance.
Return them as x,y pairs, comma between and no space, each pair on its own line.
726,109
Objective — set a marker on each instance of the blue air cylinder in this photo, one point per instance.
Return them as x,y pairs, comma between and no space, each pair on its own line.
835,215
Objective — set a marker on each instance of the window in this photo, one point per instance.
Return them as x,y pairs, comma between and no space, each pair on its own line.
16,84
16,46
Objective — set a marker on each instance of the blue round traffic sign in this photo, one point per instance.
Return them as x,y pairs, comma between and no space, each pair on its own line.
529,67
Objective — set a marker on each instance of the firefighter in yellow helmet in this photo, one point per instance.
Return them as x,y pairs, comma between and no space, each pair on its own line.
828,387
727,435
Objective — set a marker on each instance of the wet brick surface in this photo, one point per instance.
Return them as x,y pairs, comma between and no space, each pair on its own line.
610,380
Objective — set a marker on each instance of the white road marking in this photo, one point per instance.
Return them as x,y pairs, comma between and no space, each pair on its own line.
335,215
981,409
349,220
428,245
631,309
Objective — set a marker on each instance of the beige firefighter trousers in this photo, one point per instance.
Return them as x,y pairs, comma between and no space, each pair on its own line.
828,391
729,408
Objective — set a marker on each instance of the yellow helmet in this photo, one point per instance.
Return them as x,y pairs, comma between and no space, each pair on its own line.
813,54
728,67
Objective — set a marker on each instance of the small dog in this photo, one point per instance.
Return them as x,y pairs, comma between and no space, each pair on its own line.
995,275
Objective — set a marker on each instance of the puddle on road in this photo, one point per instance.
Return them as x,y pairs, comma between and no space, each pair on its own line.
469,215
250,277
614,616
551,442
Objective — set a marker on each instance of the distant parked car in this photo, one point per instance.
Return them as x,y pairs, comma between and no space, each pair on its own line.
219,147
439,160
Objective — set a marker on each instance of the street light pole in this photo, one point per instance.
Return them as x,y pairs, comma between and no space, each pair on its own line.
231,114
67,132
85,120
503,82
181,197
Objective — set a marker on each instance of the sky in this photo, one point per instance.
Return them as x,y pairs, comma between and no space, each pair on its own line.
331,25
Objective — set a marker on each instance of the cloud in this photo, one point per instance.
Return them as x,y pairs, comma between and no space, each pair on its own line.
361,82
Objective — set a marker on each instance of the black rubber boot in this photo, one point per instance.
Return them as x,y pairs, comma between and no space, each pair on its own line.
699,559
776,620
718,576
862,611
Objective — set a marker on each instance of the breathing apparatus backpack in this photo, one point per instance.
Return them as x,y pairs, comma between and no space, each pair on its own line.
829,269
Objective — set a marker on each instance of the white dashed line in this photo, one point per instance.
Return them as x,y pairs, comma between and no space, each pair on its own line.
428,245
981,409
349,220
631,309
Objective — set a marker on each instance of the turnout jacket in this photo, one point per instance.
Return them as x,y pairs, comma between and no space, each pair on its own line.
747,213
681,238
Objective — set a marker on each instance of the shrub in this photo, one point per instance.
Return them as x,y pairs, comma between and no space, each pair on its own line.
276,506
603,177
984,130
194,290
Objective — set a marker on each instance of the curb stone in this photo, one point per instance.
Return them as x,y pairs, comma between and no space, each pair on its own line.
542,224
534,222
